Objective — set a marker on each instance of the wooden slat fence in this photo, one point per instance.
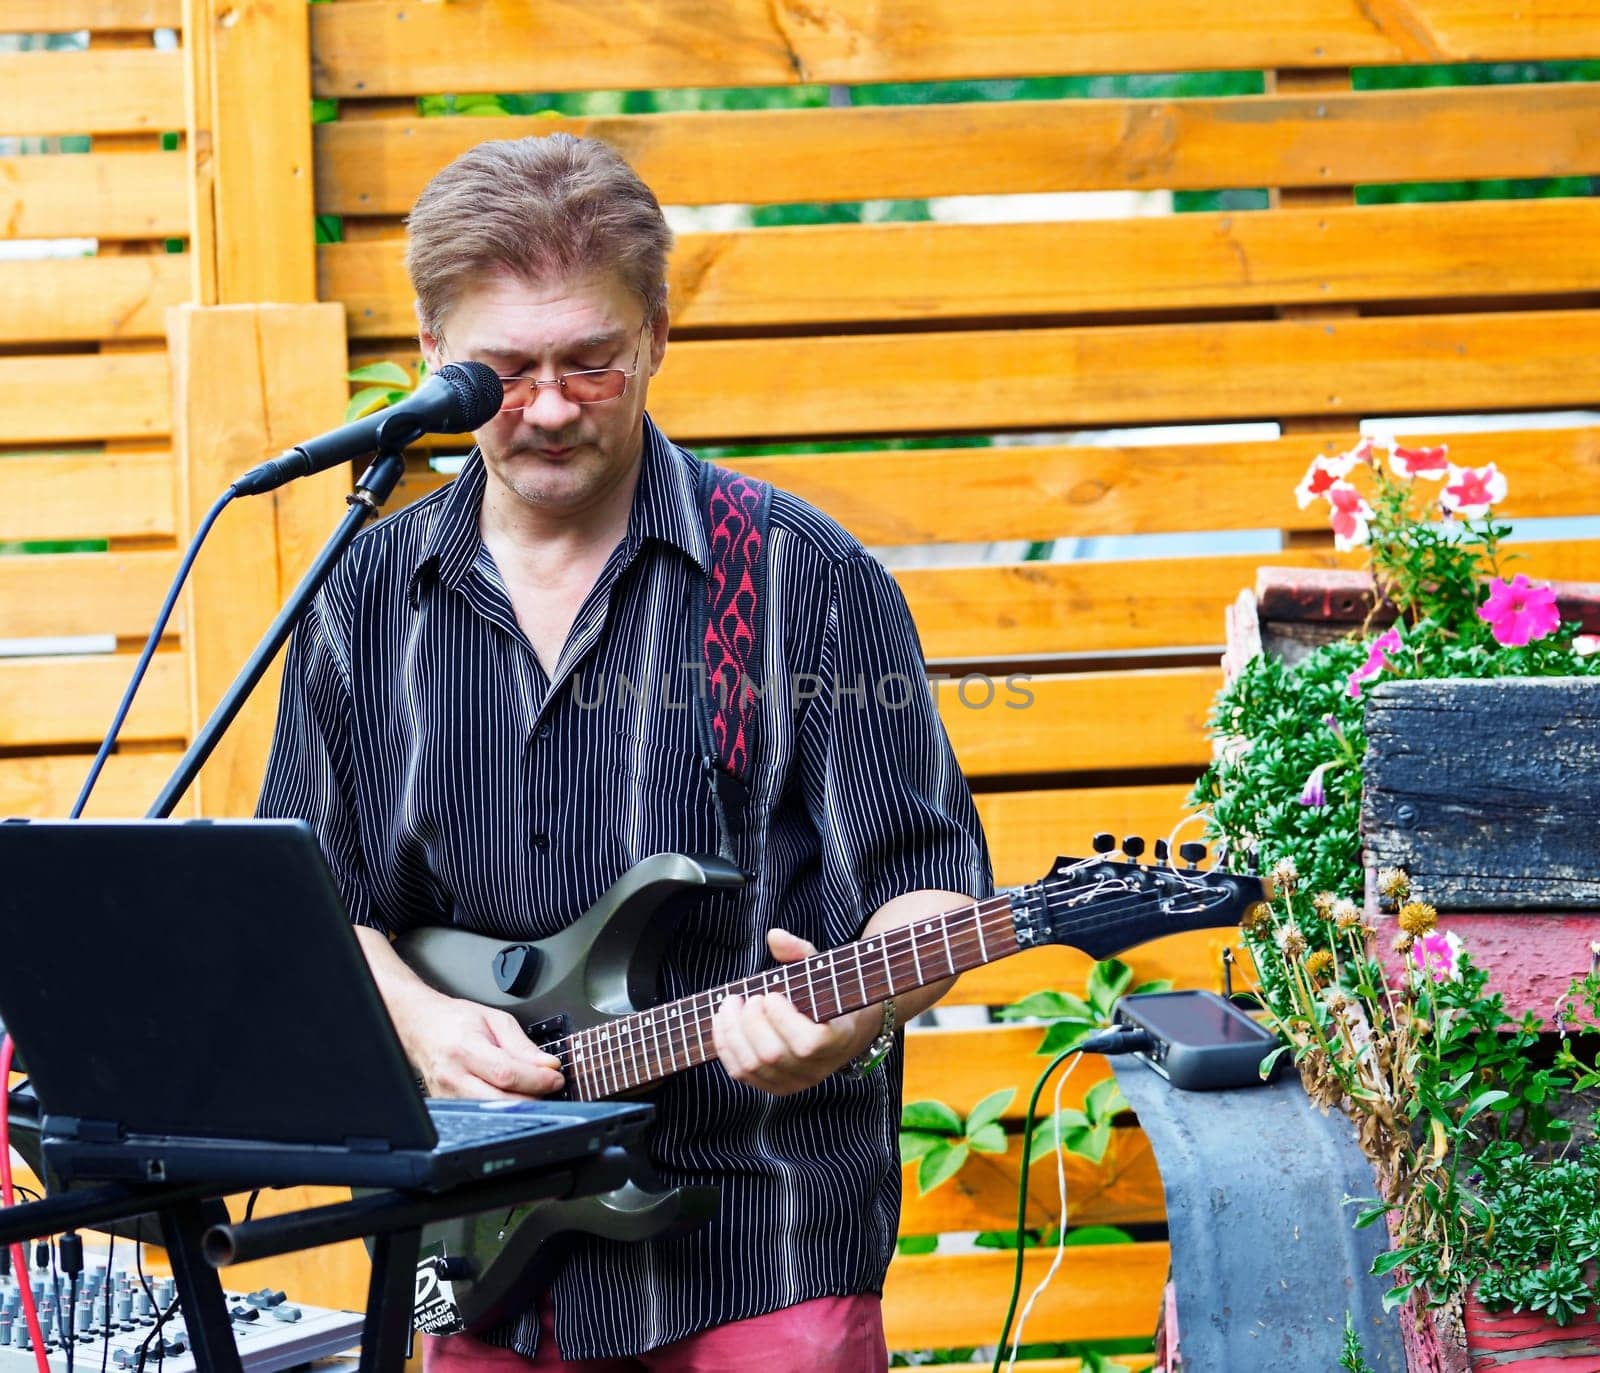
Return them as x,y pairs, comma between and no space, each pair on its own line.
1050,337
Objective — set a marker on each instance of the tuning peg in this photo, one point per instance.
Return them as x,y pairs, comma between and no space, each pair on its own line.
1161,851
1133,846
1192,852
1104,843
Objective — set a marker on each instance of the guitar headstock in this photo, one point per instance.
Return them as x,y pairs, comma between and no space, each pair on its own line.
1103,906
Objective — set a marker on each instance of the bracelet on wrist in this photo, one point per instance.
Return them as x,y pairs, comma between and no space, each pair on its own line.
867,1061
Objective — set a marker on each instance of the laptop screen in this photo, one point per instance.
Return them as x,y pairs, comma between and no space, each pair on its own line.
196,978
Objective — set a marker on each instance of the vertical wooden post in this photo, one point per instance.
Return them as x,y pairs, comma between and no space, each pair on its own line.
250,381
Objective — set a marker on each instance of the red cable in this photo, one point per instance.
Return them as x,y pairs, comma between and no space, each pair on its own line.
19,1255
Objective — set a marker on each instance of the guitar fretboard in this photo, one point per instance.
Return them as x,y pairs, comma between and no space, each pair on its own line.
636,1050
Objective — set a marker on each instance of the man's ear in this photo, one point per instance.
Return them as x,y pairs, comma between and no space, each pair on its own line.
427,339
658,339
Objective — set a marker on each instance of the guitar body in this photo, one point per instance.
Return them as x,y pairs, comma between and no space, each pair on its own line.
477,1271
588,994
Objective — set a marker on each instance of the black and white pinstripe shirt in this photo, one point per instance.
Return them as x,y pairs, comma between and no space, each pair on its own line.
452,781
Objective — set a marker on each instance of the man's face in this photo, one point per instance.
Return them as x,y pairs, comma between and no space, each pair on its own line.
556,455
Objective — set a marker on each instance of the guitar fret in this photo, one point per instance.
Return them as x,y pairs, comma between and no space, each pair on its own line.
949,956
866,1000
977,920
833,973
888,970
811,989
916,961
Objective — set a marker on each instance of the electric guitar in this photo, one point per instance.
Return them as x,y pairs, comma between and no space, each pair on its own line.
584,995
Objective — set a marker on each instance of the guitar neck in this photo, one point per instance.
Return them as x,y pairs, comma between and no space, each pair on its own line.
636,1050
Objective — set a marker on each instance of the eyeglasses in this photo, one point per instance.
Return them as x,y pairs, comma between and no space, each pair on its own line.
582,388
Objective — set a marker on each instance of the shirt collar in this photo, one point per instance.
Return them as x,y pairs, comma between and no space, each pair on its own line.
665,508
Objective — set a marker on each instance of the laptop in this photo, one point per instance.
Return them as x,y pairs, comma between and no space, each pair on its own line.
191,1004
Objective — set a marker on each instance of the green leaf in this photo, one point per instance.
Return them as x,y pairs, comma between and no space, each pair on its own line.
1091,1143
916,1244
930,1115
988,1139
1108,979
1388,1262
389,373
914,1144
941,1163
1482,1102
991,1108
1065,1034
369,399
1396,1295
1098,1234
1049,1134
1104,1100
1048,1006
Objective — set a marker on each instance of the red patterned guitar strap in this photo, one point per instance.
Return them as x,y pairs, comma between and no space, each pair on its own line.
734,510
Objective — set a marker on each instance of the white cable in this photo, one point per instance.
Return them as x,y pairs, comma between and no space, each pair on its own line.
1061,1226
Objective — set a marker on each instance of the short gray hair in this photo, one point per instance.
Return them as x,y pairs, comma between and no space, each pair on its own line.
535,207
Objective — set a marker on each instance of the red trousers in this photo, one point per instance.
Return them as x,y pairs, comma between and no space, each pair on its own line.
828,1335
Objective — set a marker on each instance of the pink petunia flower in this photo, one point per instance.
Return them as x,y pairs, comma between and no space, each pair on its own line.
1470,491
1419,462
1438,955
1323,473
1519,612
1349,515
1314,793
1377,659
1585,644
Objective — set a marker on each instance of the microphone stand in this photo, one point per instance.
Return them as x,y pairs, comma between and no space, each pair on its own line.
375,487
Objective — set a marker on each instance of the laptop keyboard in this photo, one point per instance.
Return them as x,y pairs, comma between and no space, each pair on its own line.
457,1128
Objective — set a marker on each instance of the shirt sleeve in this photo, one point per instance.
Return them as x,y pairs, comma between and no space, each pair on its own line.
309,771
885,793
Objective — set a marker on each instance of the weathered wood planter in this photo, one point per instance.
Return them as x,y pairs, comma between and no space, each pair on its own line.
1488,794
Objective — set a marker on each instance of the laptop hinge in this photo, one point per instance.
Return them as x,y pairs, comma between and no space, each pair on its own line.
75,1127
362,1144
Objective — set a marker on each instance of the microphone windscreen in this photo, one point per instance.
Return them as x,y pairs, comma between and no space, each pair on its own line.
477,391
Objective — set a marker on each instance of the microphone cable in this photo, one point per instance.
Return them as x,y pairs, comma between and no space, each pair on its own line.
19,1253
160,628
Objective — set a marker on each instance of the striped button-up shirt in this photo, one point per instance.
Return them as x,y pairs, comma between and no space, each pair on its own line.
453,779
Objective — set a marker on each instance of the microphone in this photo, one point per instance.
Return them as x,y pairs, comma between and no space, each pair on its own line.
459,397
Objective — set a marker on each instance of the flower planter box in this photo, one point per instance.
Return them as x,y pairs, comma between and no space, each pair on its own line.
1488,794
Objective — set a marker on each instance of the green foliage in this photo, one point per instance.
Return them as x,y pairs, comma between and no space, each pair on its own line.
1071,1019
1351,1357
935,1138
381,384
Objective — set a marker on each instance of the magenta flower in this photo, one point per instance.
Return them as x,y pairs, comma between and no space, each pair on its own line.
1518,612
1314,793
1438,955
1418,462
1377,659
1350,513
1470,491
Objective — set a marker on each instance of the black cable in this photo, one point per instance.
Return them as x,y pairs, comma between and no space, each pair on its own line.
1119,1039
160,628
250,1206
105,1333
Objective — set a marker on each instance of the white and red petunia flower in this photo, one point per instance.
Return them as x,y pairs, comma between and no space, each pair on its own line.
1586,644
1419,462
1470,491
1348,514
1326,471
1519,612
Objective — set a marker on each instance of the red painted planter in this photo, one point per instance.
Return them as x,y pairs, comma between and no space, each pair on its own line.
1531,1344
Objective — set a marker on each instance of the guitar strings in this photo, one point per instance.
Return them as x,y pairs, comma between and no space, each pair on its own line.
609,1051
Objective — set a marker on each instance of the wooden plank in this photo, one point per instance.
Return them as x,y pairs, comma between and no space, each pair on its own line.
960,1067
1102,1292
1029,830
1123,1189
68,16
1192,959
1004,609
377,167
82,397
86,298
93,92
1052,378
1484,791
387,47
251,103
94,195
48,702
84,593
87,496
770,390
815,276
1090,720
44,786
284,375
